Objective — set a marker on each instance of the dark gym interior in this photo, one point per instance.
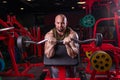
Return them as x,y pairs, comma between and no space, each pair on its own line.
32,19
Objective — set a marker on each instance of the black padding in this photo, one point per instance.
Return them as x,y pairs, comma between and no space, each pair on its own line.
60,58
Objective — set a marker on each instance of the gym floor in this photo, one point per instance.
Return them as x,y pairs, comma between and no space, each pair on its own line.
37,71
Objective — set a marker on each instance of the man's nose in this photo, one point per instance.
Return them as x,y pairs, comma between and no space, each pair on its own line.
60,25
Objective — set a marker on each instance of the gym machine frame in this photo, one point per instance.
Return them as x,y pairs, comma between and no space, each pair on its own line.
105,47
15,70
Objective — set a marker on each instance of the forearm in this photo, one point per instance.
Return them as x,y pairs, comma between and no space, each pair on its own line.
71,52
49,51
75,47
49,45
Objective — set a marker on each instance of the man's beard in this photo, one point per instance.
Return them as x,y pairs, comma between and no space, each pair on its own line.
61,30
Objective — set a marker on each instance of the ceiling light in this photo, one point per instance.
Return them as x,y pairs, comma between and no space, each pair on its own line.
29,0
72,7
81,2
21,8
57,3
84,7
4,1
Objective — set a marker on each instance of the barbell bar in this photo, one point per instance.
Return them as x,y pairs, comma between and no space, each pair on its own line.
42,41
33,42
98,40
23,41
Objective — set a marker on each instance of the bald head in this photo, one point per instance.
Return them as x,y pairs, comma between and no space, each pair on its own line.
61,22
62,16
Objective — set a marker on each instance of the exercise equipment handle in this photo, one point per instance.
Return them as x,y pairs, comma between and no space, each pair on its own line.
5,29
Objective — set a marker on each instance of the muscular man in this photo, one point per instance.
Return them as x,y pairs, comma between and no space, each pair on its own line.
61,32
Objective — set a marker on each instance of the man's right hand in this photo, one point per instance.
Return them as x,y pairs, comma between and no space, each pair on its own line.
52,40
66,40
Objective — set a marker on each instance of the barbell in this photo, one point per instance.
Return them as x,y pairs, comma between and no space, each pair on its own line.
24,41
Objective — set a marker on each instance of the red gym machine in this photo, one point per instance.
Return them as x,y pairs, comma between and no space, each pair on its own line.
112,51
10,35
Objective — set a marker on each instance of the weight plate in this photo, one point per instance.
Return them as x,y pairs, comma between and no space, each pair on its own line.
88,21
101,61
21,42
99,39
